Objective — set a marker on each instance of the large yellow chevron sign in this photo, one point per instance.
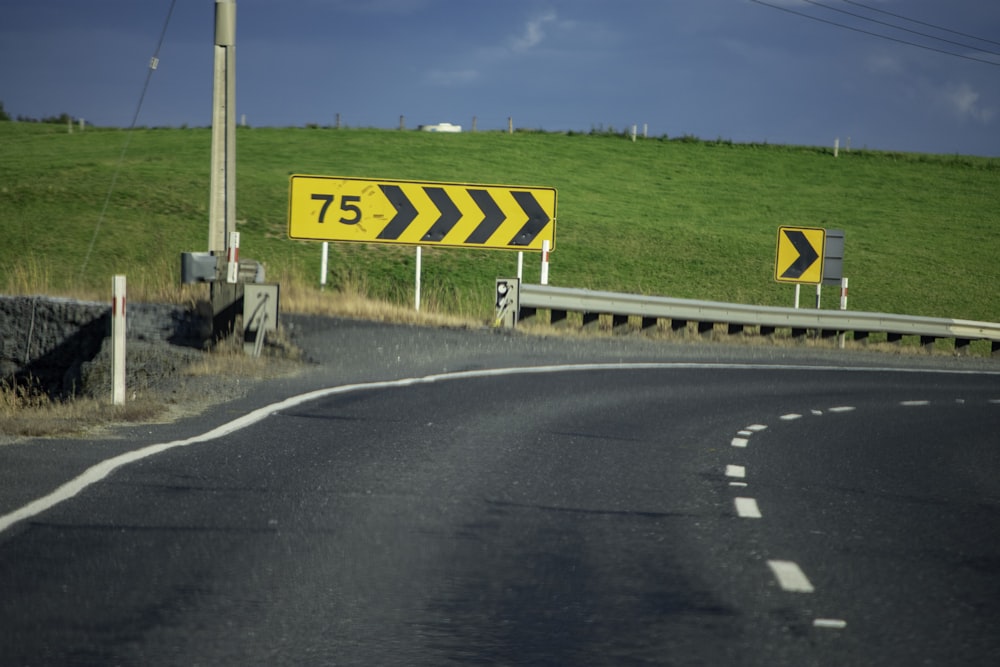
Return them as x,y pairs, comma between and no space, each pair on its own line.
330,208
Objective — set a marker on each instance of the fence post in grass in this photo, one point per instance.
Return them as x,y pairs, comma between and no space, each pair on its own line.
634,130
545,262
510,125
118,340
836,147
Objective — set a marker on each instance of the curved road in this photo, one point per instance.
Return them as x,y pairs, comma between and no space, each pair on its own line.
684,513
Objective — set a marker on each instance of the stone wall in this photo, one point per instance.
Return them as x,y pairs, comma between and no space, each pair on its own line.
52,343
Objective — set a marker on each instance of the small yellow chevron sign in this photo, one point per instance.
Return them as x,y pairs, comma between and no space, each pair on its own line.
799,255
367,210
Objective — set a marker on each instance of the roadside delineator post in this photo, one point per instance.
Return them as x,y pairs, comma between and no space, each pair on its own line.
118,340
545,262
843,306
233,258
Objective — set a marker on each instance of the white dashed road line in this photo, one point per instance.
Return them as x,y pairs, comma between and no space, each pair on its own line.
790,577
788,574
736,471
747,508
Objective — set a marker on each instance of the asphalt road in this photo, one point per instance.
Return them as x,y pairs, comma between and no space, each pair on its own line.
705,505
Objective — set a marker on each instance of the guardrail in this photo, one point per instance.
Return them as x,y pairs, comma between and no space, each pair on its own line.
522,301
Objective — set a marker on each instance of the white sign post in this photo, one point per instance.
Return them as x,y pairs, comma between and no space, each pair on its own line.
324,265
416,299
118,340
545,262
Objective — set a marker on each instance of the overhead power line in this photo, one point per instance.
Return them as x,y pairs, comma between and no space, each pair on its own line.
918,22
881,35
899,27
153,63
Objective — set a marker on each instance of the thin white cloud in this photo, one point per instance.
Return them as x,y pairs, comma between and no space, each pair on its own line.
533,34
959,100
965,102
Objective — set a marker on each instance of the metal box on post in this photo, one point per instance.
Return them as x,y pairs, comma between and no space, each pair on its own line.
260,315
508,302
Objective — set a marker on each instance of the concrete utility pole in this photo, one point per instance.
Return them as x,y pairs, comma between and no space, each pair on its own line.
221,266
222,208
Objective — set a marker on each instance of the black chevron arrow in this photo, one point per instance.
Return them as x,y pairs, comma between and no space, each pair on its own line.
405,212
807,254
537,218
449,215
493,217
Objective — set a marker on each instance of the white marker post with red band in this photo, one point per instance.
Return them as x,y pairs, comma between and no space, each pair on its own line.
843,306
545,262
118,340
233,258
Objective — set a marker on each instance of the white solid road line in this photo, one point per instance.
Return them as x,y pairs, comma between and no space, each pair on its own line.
103,469
790,577
747,508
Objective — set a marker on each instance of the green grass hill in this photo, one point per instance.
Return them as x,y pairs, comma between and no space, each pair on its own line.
684,218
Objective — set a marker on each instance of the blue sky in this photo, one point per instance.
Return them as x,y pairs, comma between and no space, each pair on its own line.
731,69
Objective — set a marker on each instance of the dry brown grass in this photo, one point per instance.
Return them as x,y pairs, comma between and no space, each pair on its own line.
351,302
26,412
